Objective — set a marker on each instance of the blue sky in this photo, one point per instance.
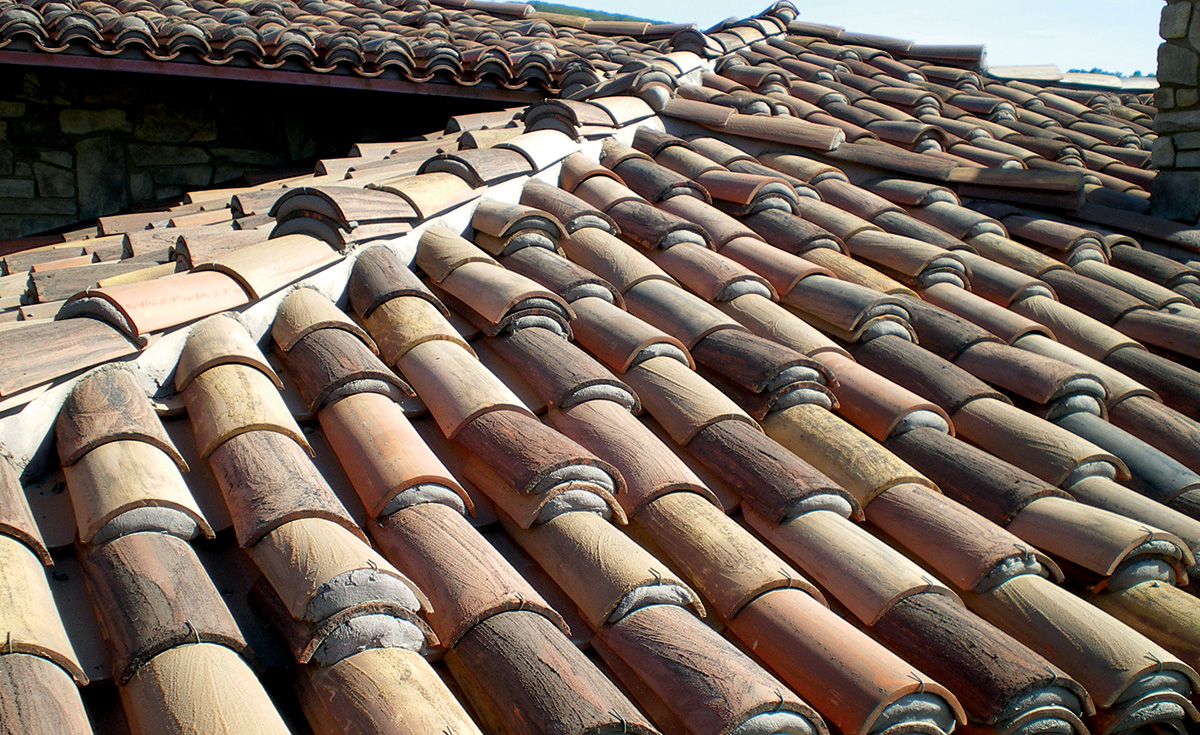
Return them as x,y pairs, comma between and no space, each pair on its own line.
1116,35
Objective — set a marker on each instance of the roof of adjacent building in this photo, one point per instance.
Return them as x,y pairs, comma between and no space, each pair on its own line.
777,379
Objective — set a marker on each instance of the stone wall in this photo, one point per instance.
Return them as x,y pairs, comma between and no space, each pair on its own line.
1176,193
79,144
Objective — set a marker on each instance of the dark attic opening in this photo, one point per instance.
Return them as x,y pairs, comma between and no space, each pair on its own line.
76,144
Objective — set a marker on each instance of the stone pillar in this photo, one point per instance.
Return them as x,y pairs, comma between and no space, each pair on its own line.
1176,192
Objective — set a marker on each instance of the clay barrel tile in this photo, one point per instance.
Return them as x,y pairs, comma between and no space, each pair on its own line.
381,621
787,130
381,690
683,315
454,385
578,168
781,270
429,193
981,481
266,267
721,227
199,687
466,579
380,276
791,233
219,340
872,402
381,452
121,476
318,568
1074,328
522,675
616,337
327,362
528,510
604,572
1043,449
305,311
479,167
1154,474
499,219
650,469
941,332
613,153
989,670
755,363
568,280
1014,255
1101,653
963,546
1036,377
708,273
345,205
1119,385
611,259
687,162
267,480
16,517
227,400
494,292
841,452
765,474
38,698
28,613
922,372
1158,610
1008,325
863,573
530,457
152,306
683,402
770,320
849,677
707,681
441,251
573,212
605,192
106,406
559,372
726,564
745,190
1092,297
840,222
906,256
847,196
853,271
151,594
1093,538
840,303
649,227
654,182
402,323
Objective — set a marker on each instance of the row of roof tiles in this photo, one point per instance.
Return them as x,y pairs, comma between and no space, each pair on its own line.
494,44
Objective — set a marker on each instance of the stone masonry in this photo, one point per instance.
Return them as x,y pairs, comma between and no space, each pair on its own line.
80,144
1176,192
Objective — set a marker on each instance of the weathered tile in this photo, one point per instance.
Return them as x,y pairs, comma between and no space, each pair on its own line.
152,594
199,687
267,480
520,674
466,579
107,406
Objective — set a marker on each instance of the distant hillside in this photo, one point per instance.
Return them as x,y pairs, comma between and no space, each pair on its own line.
593,14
